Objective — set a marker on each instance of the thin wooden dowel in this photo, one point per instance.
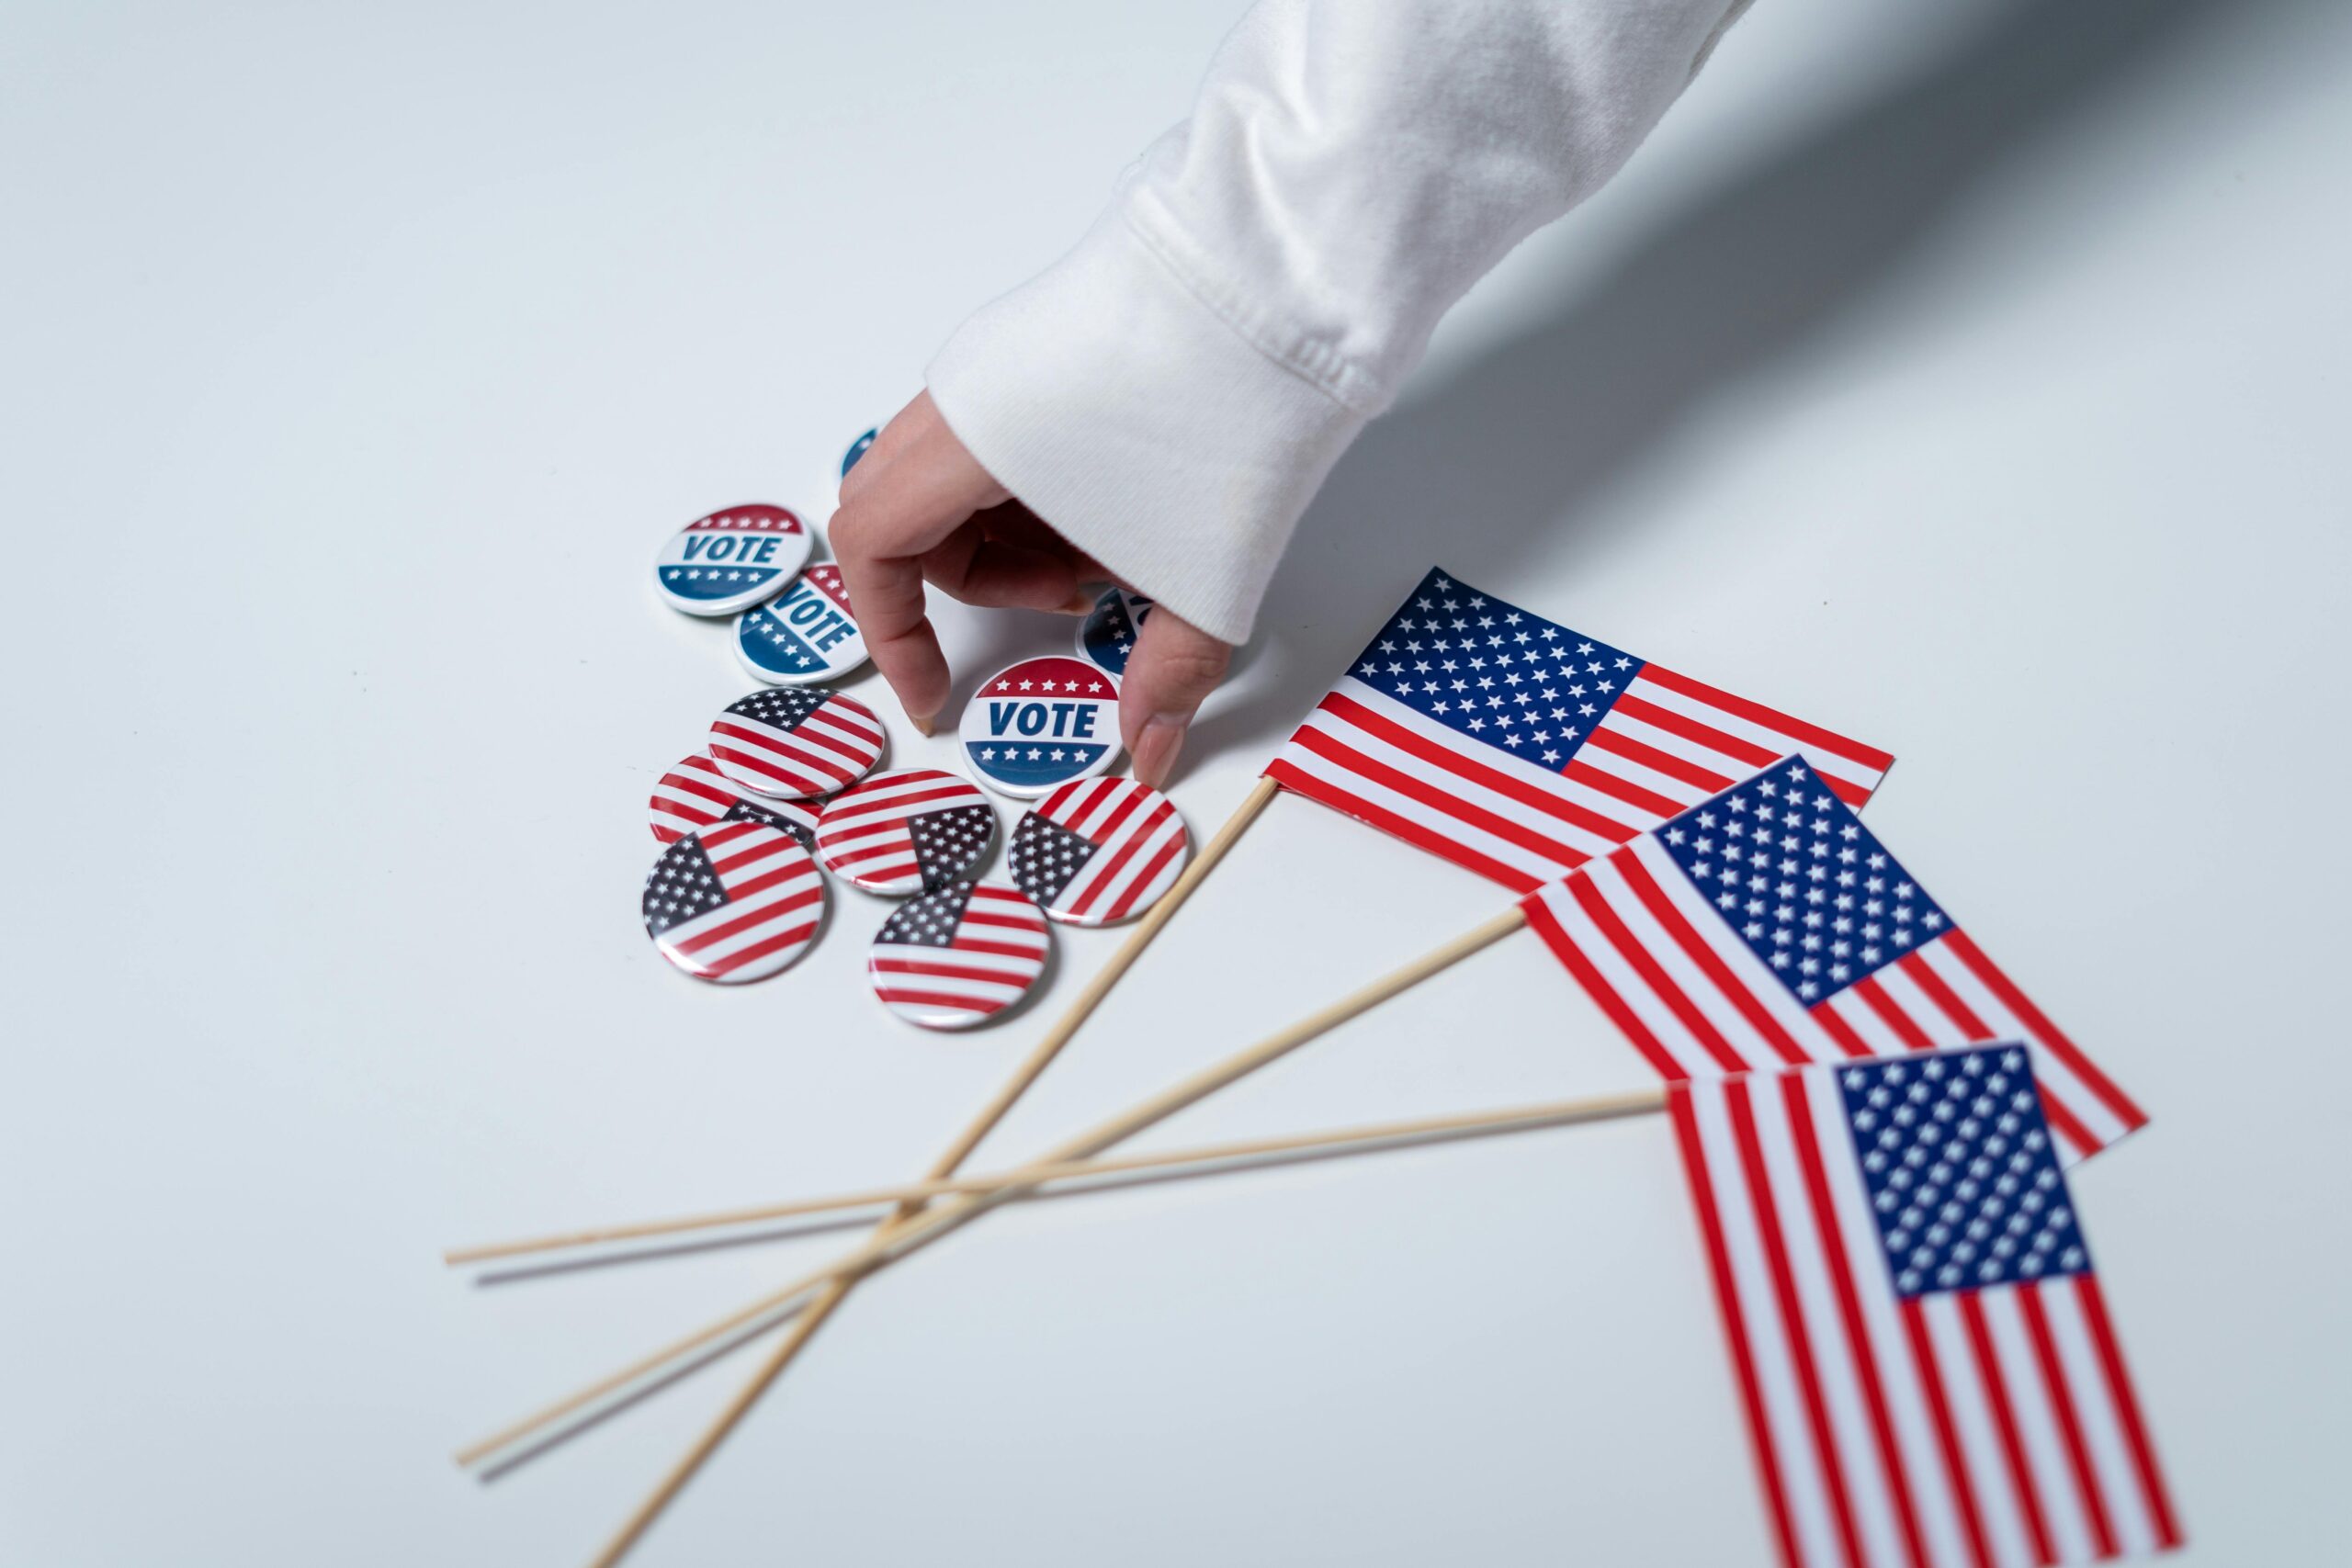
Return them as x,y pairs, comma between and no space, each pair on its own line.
906,1214
642,1517
1370,1136
935,1221
950,1160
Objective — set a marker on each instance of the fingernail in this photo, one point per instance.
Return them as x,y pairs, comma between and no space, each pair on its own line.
926,725
1155,747
1078,603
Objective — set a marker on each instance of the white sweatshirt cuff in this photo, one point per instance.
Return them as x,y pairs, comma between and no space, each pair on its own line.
1129,415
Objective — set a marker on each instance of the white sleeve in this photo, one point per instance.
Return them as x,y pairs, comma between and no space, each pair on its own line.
1170,394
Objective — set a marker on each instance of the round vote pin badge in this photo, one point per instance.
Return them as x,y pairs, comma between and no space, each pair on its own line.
733,903
1040,724
902,832
1107,634
1098,851
695,795
959,955
857,449
792,743
729,560
804,634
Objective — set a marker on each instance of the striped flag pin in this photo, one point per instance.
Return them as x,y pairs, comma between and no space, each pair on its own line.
905,831
736,902
960,955
1099,851
792,743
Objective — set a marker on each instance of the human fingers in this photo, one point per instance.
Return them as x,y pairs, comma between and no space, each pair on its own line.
989,562
1175,667
921,489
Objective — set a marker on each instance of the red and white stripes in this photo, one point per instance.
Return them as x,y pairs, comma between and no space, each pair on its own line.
695,795
1955,1429
865,834
774,902
956,957
830,747
1665,744
1140,849
1695,1001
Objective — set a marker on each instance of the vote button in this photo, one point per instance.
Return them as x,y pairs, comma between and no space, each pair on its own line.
730,560
857,449
1107,634
1039,723
804,633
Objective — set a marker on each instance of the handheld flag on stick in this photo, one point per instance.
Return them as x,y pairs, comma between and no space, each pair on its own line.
1924,1352
1499,740
1520,749
1767,927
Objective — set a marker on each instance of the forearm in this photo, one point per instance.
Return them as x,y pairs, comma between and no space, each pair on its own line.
1170,394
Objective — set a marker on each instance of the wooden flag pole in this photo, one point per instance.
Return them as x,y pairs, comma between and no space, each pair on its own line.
930,1224
949,1161
1368,1138
922,1228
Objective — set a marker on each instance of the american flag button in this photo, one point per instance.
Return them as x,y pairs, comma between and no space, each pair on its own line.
959,955
792,743
1107,634
695,795
734,902
1041,722
1098,851
902,832
731,559
802,634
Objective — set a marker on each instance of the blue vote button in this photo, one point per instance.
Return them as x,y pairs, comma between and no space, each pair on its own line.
804,633
856,450
729,560
1039,723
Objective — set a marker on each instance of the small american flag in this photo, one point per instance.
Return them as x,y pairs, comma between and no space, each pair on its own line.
735,902
1767,927
1924,1352
795,741
958,956
906,831
1097,850
695,795
1521,750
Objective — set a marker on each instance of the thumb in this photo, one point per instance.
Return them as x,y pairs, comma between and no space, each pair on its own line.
1175,667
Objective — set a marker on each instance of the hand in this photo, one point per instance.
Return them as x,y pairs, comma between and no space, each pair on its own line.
919,508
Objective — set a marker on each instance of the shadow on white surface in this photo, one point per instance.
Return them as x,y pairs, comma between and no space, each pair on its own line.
1496,465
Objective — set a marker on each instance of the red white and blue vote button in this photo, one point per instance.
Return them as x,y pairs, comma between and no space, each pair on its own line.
695,795
1107,634
905,831
791,742
1098,851
722,563
959,955
733,903
1040,724
804,634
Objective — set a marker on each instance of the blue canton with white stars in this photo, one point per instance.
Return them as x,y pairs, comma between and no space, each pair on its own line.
1791,868
1961,1173
1494,672
1108,634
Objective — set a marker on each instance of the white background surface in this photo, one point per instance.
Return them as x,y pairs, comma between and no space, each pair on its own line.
1974,383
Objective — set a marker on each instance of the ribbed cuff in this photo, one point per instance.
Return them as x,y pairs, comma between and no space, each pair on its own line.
1126,413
